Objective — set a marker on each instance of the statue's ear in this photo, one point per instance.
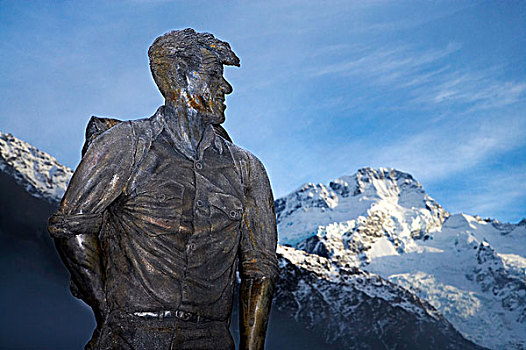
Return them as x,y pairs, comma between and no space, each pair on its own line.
185,69
97,126
169,73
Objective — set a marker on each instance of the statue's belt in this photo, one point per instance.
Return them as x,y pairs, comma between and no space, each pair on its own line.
177,314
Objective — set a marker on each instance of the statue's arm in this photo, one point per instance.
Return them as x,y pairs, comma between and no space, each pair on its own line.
97,182
256,299
81,255
258,262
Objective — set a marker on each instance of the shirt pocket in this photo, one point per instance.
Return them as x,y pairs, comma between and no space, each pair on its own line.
156,207
225,209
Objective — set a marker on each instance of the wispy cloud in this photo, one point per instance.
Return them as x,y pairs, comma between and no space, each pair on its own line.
426,77
500,193
438,153
433,154
478,90
397,62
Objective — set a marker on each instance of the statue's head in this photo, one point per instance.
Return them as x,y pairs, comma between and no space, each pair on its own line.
188,68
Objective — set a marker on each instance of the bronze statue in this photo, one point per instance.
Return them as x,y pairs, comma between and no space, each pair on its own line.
161,213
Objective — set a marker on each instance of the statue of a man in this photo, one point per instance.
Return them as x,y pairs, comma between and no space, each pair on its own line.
161,213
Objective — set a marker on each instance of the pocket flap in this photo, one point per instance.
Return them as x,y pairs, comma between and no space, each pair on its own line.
228,204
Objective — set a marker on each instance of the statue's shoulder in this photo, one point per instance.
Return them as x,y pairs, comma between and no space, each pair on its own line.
144,128
239,153
249,166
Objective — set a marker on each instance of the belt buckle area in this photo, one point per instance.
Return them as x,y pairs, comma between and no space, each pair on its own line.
183,315
158,315
149,314
162,315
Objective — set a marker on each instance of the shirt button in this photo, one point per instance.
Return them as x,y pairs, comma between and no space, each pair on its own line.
200,203
191,246
233,214
198,165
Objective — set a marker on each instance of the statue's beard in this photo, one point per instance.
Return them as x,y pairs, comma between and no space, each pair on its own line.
213,117
217,118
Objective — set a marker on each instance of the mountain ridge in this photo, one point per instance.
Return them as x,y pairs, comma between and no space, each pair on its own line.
38,172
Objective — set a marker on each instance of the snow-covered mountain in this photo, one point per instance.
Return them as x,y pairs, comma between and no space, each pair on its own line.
340,231
38,172
471,270
357,309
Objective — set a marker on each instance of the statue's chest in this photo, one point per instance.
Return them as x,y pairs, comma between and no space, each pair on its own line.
174,193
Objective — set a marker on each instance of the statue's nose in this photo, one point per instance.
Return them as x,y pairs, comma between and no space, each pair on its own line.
227,88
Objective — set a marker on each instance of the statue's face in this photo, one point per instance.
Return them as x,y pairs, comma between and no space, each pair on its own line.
207,88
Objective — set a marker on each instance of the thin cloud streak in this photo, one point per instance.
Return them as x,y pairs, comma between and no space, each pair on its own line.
428,79
481,91
398,60
495,193
440,153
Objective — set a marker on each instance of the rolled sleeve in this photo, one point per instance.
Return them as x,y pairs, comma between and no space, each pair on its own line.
258,228
98,180
65,226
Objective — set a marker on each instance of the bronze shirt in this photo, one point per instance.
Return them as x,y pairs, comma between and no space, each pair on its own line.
172,229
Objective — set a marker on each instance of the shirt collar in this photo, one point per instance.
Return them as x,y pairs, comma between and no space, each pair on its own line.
210,138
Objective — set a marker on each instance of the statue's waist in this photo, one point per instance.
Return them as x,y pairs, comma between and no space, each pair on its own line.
164,315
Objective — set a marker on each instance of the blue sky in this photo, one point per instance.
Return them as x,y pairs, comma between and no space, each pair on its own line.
436,89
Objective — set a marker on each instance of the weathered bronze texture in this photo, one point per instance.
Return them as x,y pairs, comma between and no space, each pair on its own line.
161,213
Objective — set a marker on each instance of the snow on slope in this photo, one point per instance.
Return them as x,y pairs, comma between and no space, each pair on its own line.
357,309
38,172
472,270
467,280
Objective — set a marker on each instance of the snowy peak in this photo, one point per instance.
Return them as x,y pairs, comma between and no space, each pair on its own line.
368,183
315,196
383,194
383,183
39,173
358,240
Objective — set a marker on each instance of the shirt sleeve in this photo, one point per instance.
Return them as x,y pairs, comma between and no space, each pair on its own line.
258,227
98,180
